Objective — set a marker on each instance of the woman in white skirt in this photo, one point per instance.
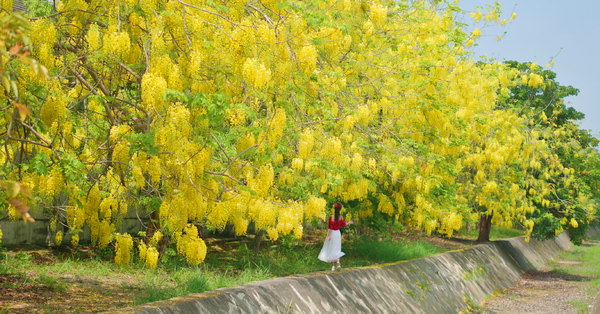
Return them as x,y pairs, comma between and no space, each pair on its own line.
332,247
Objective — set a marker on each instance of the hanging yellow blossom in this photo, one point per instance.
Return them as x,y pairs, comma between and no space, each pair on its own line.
123,247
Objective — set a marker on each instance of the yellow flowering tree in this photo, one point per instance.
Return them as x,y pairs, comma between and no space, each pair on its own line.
566,170
255,114
14,56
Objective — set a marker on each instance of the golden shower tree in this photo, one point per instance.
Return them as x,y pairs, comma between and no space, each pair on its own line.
256,114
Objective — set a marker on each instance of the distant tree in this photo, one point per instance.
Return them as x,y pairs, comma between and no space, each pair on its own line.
38,8
573,174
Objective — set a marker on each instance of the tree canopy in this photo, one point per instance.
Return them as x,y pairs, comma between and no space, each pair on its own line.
257,114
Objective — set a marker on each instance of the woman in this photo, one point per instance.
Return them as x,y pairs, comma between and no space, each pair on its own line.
332,248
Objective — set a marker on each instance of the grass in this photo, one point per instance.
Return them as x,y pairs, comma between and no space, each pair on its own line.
388,251
496,233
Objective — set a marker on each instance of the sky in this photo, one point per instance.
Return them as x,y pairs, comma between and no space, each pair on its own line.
567,32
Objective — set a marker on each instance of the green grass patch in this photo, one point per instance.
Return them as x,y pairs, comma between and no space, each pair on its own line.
496,233
387,251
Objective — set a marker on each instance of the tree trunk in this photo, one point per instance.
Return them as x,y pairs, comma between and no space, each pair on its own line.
485,226
256,243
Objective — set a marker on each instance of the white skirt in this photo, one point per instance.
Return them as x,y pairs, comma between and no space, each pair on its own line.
332,249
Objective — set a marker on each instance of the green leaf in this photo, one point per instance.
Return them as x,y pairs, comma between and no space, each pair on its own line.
40,163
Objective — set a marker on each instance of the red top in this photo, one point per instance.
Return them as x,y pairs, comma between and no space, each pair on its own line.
336,225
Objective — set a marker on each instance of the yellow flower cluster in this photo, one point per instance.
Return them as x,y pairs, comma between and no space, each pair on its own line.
117,131
148,255
136,169
196,59
245,142
153,88
143,250
42,31
43,35
263,181
385,205
357,162
151,257
263,213
197,203
239,40
123,247
285,177
13,213
93,37
51,183
334,44
107,207
451,223
332,151
264,34
156,237
298,164
306,141
430,226
154,169
218,215
200,161
358,190
276,126
75,217
256,73
92,203
307,58
173,137
476,33
102,232
315,207
535,80
120,155
273,234
290,217
378,14
53,109
235,116
173,212
191,246
58,237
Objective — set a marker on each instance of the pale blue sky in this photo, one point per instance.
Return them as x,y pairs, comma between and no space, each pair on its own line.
569,31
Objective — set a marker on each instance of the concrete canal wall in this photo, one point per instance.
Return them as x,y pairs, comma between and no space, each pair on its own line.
445,283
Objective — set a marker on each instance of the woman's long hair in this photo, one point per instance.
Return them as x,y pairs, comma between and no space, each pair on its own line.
338,208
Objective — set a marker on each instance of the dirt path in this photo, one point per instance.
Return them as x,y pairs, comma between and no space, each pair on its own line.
553,289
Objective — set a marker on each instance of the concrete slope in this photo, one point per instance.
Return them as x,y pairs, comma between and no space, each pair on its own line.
445,283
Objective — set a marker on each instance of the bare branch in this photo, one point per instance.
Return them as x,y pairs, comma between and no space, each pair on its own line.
130,70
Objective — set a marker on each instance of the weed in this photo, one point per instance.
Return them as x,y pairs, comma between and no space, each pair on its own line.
581,306
471,306
14,263
51,283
